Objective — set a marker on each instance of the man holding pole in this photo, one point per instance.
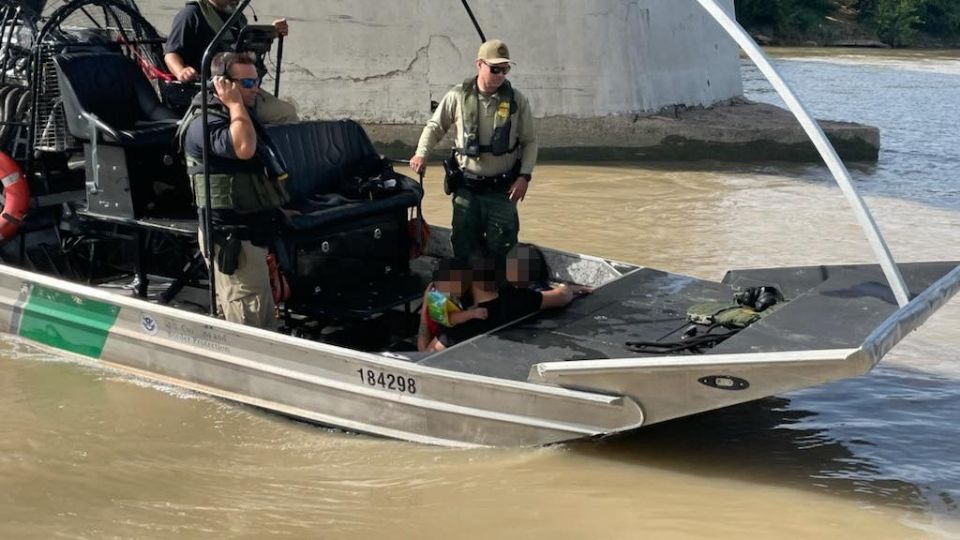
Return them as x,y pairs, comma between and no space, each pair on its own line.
194,28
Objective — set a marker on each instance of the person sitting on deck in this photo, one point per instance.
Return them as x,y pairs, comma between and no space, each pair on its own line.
443,302
526,268
503,304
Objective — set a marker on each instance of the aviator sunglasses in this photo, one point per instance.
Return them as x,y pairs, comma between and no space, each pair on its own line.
498,70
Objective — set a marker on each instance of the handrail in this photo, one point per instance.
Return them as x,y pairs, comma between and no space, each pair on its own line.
912,316
820,141
473,19
206,223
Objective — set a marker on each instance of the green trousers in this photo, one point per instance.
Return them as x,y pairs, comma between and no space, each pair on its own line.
483,223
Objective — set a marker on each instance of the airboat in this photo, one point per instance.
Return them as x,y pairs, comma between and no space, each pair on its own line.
100,260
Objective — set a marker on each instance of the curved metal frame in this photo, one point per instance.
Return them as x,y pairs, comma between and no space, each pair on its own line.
207,223
473,19
26,17
820,141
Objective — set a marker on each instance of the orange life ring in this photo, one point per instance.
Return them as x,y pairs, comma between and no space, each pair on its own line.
16,195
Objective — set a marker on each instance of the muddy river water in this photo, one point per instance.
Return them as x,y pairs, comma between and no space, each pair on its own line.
88,453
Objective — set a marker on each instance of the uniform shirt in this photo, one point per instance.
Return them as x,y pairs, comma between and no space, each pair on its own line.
222,155
190,35
511,304
448,114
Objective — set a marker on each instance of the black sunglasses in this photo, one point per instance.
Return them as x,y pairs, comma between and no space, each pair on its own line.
498,70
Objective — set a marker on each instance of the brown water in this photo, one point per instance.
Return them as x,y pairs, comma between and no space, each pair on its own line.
89,453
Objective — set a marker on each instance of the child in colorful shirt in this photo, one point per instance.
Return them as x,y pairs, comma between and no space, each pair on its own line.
443,301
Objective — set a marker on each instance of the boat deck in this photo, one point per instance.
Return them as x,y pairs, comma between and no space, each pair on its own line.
827,307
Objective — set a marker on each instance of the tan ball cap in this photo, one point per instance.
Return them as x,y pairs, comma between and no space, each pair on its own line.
494,52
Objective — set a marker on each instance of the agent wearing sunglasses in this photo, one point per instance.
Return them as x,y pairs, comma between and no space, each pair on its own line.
495,148
245,186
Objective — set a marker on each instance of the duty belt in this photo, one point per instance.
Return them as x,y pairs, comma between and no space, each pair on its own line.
476,182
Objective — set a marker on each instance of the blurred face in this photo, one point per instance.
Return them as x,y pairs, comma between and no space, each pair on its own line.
519,269
491,76
516,274
485,274
245,75
452,285
225,5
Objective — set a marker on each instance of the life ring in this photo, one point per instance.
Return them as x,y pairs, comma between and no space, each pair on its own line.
16,195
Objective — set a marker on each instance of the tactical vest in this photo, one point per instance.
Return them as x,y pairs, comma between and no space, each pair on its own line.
243,192
506,109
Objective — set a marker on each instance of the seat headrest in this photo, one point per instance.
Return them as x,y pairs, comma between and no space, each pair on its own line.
109,85
318,152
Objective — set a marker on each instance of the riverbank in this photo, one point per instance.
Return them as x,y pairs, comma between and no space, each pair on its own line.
845,37
839,24
738,130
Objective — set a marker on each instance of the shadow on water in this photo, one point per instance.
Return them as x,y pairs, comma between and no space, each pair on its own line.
888,439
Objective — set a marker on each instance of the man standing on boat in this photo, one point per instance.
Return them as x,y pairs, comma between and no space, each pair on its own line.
194,27
246,191
494,155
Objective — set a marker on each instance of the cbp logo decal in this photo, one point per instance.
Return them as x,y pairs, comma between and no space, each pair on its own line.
149,324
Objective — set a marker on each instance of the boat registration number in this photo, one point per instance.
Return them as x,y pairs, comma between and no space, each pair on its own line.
389,381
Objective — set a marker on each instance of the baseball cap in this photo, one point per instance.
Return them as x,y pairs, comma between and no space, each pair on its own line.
494,52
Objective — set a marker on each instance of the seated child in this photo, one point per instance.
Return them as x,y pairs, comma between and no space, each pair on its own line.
442,301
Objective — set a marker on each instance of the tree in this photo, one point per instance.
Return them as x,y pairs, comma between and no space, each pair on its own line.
940,17
788,17
897,20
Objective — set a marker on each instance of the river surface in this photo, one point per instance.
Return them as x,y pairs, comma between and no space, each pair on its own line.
87,453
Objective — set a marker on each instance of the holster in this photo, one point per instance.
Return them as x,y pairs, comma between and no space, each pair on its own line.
452,174
228,258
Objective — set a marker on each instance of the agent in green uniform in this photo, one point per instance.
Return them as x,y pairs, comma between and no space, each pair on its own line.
495,150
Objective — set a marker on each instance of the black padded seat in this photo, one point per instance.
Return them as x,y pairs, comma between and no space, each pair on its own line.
112,87
331,209
131,169
320,157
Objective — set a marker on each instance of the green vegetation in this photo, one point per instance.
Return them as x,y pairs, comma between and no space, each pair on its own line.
898,23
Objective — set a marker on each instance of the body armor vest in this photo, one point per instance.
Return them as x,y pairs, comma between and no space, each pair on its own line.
239,190
506,109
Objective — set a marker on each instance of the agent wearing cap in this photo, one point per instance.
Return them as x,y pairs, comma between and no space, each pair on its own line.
495,148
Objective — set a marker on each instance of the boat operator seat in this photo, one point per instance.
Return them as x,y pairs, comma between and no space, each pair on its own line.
132,167
346,243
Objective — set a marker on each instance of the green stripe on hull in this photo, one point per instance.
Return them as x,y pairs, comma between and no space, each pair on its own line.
66,321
